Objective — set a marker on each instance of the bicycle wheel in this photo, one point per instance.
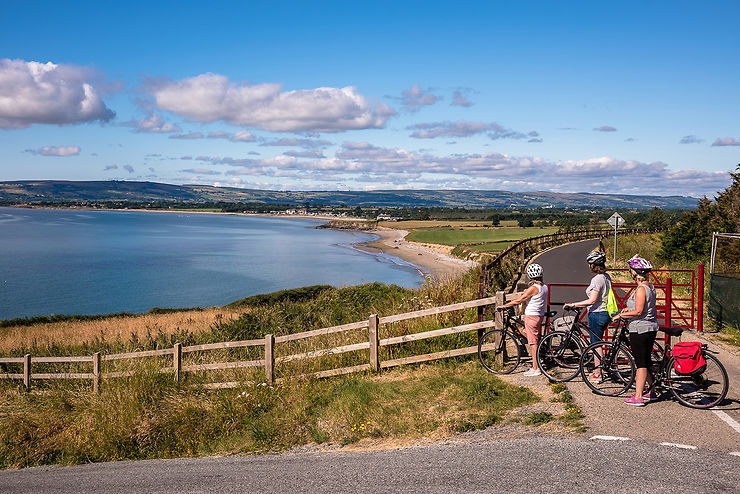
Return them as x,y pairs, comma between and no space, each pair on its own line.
499,352
613,363
559,356
703,390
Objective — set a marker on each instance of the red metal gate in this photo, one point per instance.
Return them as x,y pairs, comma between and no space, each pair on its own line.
680,296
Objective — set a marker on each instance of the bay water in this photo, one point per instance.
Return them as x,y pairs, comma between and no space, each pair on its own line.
98,262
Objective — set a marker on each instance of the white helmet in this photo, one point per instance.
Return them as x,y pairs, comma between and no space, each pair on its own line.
596,257
534,271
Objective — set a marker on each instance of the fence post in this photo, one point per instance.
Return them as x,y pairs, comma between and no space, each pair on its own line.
481,294
500,300
270,358
373,323
27,371
96,372
700,300
177,360
668,301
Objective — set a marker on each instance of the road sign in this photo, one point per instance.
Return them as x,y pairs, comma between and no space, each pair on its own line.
615,220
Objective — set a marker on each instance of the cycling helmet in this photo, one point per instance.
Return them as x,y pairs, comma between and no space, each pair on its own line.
596,257
639,264
534,271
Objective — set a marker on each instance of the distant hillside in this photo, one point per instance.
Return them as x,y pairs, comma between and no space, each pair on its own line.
36,191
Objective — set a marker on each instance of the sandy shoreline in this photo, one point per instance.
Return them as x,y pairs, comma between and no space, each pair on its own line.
438,264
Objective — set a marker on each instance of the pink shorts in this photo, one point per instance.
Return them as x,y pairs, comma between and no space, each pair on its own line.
532,328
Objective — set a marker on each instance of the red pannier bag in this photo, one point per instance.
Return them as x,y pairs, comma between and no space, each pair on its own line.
688,358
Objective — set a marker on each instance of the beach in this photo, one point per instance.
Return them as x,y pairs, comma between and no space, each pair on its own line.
434,260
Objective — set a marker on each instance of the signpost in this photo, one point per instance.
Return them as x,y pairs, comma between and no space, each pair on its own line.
616,221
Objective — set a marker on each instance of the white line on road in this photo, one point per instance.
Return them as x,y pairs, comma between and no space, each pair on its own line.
730,421
611,438
682,446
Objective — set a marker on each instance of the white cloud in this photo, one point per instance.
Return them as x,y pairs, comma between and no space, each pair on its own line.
213,97
191,135
605,128
371,166
691,139
727,141
201,171
110,167
128,168
243,136
38,93
459,100
62,151
156,124
415,97
301,143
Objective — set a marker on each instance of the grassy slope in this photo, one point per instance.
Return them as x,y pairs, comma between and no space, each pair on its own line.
457,236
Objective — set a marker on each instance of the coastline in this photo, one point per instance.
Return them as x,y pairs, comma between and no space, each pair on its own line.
436,263
430,259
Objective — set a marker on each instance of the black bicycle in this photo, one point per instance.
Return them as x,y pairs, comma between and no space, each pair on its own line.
501,350
704,388
607,367
559,352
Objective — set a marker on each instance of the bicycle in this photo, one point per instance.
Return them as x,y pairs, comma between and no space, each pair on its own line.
559,352
616,366
703,389
501,350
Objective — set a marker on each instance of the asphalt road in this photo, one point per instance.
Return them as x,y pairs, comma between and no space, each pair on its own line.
664,420
540,465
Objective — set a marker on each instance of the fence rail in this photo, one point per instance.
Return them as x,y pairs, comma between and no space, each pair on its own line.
373,344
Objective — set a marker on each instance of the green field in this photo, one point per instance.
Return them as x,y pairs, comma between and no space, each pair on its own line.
458,236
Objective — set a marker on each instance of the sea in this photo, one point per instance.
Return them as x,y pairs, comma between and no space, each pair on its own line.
69,261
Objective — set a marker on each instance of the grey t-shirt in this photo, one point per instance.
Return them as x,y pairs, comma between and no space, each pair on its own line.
600,283
647,321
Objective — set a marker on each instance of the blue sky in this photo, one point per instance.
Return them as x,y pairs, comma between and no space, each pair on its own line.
629,97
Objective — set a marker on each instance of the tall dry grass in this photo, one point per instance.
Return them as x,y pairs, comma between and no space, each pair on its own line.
79,333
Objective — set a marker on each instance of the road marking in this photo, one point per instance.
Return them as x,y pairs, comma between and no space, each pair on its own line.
730,421
682,446
611,438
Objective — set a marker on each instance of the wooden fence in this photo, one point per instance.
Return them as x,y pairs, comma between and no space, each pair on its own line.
269,362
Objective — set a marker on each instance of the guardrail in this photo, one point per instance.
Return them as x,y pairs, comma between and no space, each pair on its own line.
269,361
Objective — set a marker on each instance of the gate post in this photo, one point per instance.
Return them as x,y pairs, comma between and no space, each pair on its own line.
700,300
668,301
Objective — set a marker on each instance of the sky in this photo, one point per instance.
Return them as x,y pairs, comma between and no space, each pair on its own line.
604,97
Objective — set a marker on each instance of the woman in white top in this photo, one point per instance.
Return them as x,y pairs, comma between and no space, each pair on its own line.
536,294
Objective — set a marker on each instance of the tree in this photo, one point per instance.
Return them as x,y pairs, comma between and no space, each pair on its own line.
495,219
525,221
657,220
691,237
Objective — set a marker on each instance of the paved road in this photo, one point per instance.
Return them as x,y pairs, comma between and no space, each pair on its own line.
662,421
541,465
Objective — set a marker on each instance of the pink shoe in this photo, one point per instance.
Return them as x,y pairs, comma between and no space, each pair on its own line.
637,402
649,396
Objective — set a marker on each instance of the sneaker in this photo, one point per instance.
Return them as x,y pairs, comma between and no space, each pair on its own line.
533,372
649,396
594,378
637,402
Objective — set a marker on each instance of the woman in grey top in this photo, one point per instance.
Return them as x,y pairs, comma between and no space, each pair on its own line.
643,326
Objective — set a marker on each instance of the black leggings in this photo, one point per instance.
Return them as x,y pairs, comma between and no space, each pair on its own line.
641,345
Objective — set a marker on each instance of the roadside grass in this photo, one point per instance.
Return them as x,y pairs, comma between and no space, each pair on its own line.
149,416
